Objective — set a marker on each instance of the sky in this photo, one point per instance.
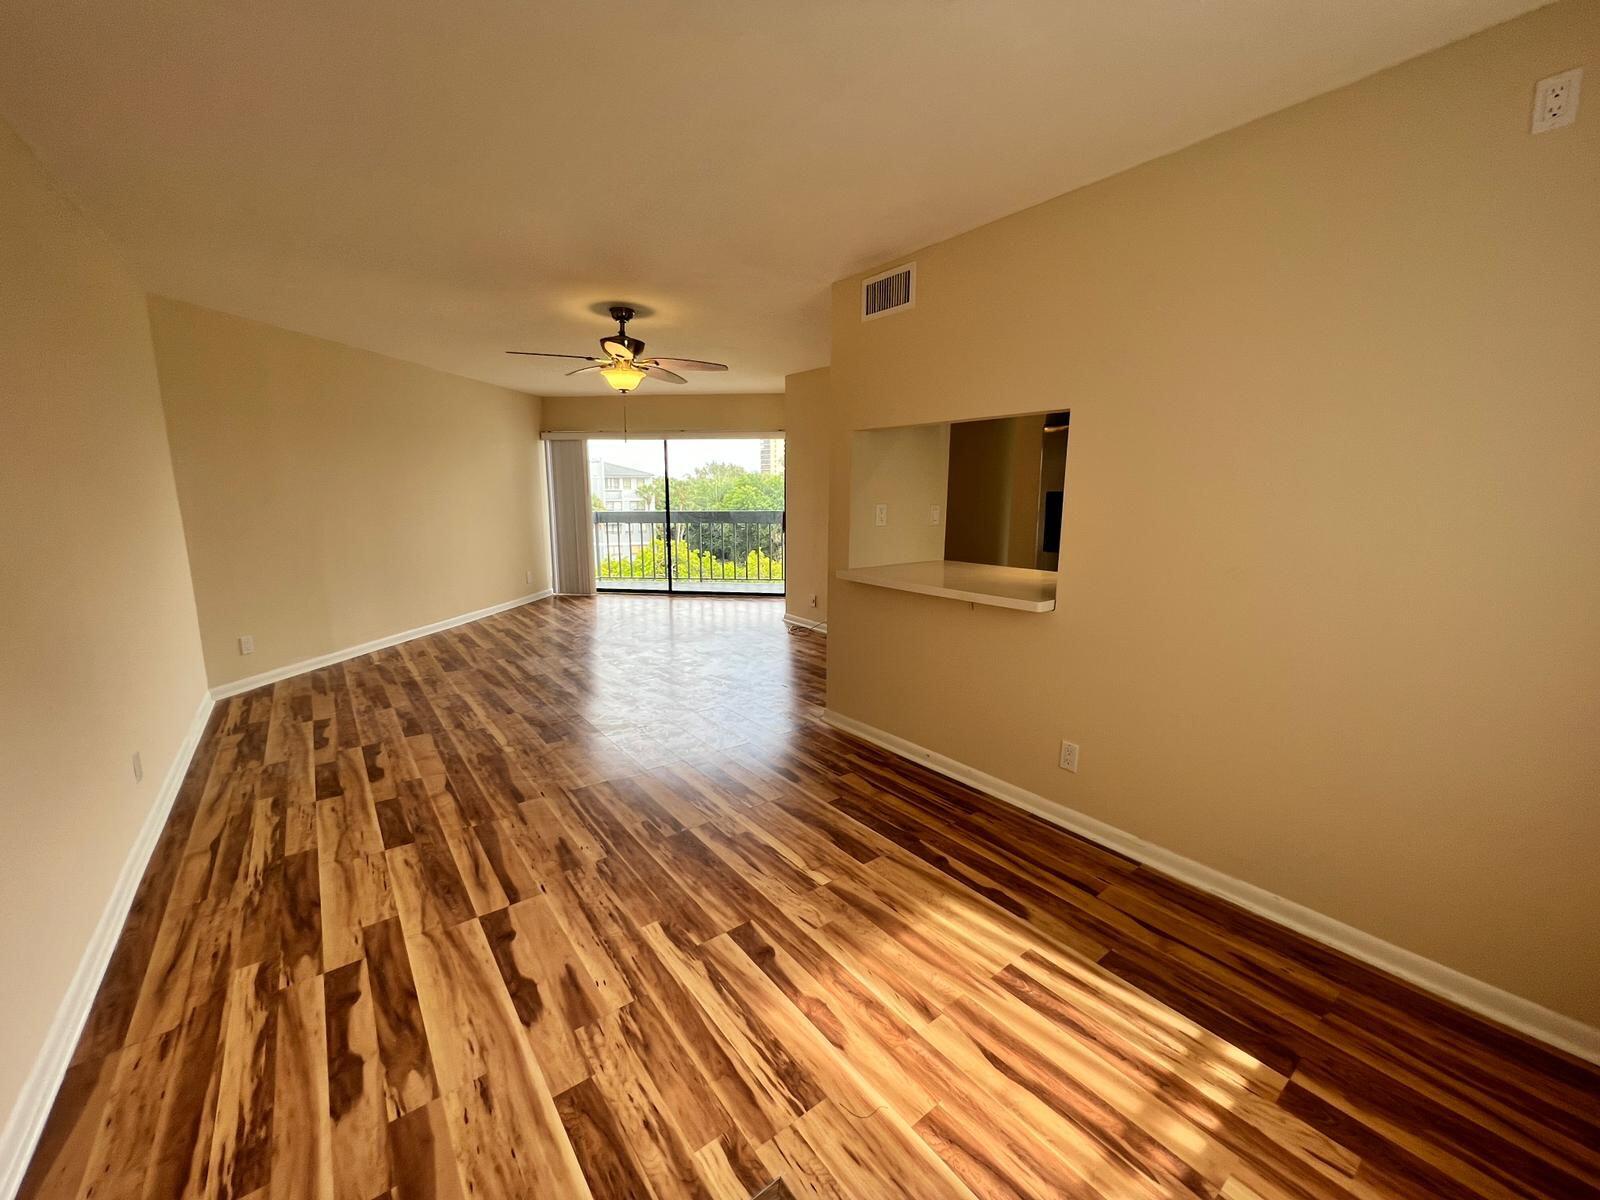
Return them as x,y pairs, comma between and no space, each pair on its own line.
685,454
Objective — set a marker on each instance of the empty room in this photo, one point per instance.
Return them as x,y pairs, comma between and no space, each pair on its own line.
892,600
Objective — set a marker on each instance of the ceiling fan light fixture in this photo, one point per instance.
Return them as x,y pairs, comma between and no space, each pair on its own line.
623,376
622,367
620,345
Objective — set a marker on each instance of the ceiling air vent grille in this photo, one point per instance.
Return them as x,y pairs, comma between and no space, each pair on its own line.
889,292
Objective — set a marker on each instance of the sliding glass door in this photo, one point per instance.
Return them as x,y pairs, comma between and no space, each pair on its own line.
688,515
627,488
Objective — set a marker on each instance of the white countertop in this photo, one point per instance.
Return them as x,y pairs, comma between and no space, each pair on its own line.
1021,588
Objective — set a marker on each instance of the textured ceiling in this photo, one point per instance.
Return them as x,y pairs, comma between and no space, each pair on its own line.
443,181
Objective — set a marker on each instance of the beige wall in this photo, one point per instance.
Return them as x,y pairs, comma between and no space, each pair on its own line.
663,412
332,496
905,471
991,511
1329,592
99,654
805,423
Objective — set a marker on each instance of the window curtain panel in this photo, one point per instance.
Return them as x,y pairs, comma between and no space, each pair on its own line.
573,532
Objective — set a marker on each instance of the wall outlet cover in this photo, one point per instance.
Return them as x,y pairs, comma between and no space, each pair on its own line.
1069,757
1555,100
247,644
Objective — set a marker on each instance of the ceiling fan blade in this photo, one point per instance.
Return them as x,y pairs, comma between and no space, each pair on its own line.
545,354
688,364
661,373
581,370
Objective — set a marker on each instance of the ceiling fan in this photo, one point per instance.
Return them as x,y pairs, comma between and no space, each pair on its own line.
622,367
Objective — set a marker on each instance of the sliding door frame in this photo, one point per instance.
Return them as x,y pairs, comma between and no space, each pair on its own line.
666,437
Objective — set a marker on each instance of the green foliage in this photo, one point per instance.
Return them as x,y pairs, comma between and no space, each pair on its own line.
720,550
717,487
650,562
654,494
759,565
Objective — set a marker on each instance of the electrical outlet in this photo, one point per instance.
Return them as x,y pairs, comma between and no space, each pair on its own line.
1069,757
880,514
247,644
1555,101
138,767
933,514
813,599
528,578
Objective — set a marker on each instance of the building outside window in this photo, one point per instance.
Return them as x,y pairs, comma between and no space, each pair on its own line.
618,488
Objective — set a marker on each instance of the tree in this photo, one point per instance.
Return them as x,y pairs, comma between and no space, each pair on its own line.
653,492
720,487
714,549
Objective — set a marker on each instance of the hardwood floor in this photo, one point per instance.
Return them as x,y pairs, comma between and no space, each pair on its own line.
584,899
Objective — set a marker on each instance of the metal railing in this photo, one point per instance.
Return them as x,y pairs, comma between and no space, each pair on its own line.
723,550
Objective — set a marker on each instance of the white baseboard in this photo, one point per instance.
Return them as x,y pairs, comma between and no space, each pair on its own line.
250,683
801,623
1562,1032
26,1122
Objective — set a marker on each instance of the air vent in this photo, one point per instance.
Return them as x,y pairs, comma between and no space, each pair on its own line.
889,292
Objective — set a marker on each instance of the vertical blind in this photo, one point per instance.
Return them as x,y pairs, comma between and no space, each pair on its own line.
572,509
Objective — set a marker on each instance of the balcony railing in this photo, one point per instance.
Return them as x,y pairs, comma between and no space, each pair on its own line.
708,551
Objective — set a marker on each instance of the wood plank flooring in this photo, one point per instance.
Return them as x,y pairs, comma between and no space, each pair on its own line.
584,900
